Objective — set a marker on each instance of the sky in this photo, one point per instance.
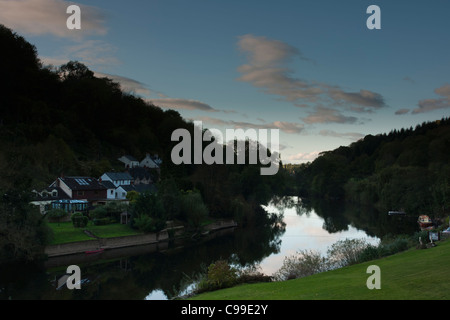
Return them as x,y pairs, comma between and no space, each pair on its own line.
312,69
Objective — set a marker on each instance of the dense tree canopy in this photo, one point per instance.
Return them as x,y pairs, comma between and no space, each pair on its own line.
406,169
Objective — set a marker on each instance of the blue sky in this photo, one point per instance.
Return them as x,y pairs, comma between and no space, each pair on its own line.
309,68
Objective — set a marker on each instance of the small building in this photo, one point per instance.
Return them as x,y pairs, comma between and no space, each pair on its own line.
140,176
70,205
44,198
149,162
122,191
110,189
129,161
117,178
81,188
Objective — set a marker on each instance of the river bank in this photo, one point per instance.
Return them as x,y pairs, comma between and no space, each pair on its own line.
107,243
410,275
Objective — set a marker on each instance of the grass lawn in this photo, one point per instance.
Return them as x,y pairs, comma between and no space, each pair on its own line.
65,231
411,275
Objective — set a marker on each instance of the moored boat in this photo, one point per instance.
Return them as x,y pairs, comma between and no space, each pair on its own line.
95,251
424,222
395,213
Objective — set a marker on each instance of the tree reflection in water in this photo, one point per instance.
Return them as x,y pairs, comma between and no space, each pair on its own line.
135,277
172,271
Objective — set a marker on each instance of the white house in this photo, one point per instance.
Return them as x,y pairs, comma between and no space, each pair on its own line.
148,162
129,161
121,191
110,189
117,178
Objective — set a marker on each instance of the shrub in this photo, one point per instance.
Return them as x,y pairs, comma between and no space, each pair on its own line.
147,213
148,224
369,253
193,208
252,274
99,212
220,275
56,215
398,245
303,264
79,220
346,252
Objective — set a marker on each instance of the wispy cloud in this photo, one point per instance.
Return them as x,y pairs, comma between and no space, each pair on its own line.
127,84
409,79
49,17
287,127
96,54
184,104
268,68
42,17
304,156
328,115
362,101
429,105
354,136
402,111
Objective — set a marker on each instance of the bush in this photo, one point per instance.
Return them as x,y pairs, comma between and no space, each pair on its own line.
148,224
56,215
193,209
346,252
147,213
252,274
303,264
79,220
220,275
369,253
99,212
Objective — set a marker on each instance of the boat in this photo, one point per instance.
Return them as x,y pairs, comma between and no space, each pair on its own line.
424,222
396,213
95,251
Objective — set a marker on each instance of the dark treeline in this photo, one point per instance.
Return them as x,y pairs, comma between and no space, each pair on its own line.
65,120
407,169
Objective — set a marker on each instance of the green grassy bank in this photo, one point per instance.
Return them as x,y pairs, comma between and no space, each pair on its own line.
65,232
414,274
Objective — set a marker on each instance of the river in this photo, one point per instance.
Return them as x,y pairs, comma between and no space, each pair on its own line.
164,271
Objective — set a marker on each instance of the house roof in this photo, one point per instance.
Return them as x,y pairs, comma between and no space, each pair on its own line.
129,158
115,176
48,194
127,188
82,183
139,172
108,184
145,187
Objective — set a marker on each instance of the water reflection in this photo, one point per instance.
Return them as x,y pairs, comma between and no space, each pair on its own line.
307,230
285,226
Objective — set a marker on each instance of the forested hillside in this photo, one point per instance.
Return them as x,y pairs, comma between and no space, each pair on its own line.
67,121
64,120
406,169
